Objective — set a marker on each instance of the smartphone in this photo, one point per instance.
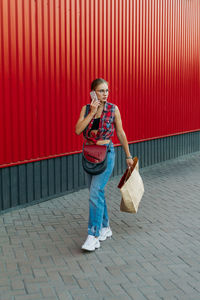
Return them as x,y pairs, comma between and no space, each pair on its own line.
93,96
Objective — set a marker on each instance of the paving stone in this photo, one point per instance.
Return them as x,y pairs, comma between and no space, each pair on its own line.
9,294
152,255
48,292
17,284
29,297
100,286
65,296
4,281
135,294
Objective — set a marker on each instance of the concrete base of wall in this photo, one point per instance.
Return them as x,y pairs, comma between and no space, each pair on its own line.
31,183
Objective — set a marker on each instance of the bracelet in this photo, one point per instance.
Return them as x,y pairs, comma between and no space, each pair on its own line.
129,157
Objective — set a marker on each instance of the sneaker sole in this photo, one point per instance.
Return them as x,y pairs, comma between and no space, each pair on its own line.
107,236
90,250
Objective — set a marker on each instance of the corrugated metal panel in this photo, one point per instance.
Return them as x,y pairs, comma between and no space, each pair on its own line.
42,180
51,50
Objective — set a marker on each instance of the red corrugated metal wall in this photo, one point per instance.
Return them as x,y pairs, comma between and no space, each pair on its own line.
50,51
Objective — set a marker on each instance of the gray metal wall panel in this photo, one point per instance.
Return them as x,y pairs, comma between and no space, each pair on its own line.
14,183
51,176
39,181
69,173
75,170
82,178
57,175
30,186
22,184
63,174
44,178
5,189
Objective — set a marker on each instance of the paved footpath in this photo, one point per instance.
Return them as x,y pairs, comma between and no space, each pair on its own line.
154,254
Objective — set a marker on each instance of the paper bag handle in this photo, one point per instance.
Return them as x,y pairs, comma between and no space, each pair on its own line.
128,172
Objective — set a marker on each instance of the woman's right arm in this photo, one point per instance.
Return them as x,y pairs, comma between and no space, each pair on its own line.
83,122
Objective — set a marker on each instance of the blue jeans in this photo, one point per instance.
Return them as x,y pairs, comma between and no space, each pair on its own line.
98,214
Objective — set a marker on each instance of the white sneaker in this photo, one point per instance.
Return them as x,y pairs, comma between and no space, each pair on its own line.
91,243
104,233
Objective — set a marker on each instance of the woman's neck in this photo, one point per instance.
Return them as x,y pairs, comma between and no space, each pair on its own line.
102,103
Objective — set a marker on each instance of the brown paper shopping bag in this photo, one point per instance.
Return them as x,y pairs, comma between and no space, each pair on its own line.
132,188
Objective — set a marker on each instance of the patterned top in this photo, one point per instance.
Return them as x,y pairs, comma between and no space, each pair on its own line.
106,125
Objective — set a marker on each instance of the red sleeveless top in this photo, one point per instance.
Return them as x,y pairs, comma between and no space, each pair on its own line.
106,125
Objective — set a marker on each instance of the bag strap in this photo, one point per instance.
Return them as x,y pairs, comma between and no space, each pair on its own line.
86,113
87,110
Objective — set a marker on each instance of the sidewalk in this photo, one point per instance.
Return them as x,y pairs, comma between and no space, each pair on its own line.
152,255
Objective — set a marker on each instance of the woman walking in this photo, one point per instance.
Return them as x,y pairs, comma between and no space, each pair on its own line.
98,128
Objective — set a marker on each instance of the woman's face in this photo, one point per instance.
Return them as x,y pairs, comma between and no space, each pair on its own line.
102,92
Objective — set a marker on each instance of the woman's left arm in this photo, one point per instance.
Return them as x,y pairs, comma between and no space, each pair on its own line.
122,136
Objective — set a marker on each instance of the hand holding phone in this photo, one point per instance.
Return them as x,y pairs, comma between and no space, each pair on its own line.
94,102
93,96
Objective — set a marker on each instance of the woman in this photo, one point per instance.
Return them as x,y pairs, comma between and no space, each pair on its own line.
98,127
